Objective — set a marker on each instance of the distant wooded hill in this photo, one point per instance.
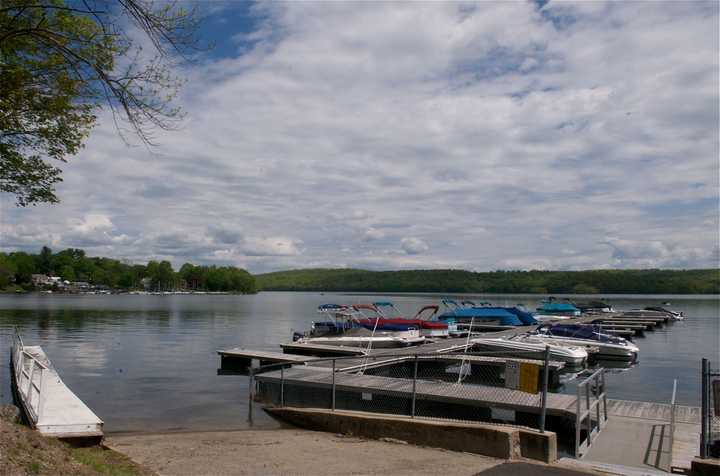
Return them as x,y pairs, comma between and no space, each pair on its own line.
645,281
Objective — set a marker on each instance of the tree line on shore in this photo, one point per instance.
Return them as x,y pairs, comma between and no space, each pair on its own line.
627,281
72,265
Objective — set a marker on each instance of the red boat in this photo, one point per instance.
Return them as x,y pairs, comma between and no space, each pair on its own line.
395,321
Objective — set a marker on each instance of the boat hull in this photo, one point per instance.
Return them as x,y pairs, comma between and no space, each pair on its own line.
375,342
520,348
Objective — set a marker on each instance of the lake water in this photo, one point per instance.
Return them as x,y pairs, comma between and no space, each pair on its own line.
149,363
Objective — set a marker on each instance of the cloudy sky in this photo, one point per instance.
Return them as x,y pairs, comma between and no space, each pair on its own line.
417,135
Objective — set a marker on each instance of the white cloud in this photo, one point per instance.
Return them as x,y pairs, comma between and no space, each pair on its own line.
273,246
494,136
372,234
93,222
413,246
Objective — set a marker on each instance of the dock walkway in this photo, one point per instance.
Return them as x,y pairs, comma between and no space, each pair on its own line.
444,392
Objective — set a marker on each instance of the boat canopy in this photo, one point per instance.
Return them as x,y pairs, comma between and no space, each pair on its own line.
434,309
330,307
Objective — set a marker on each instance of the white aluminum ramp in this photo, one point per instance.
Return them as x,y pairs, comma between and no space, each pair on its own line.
51,407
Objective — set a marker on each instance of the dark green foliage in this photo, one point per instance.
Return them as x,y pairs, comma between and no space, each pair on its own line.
645,281
73,265
61,61
216,278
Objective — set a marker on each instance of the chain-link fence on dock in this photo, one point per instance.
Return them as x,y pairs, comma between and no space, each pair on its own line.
710,411
488,386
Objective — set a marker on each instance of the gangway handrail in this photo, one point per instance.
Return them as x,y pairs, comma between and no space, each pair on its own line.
28,387
598,389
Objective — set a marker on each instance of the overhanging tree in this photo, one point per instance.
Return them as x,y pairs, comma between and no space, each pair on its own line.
61,61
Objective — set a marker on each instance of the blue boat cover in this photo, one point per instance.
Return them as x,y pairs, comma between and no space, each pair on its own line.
550,306
383,303
323,307
526,318
505,317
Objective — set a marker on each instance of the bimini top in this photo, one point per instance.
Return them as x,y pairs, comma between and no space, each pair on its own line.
330,307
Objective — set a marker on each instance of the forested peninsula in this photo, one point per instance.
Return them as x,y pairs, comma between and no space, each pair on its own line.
631,281
71,270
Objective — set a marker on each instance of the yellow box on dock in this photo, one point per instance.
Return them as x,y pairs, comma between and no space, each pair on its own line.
522,376
529,374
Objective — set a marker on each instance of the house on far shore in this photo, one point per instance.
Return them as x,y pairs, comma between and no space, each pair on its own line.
40,280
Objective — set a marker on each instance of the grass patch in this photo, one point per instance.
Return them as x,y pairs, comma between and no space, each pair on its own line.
106,461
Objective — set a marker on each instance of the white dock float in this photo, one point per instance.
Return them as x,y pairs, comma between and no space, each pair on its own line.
50,406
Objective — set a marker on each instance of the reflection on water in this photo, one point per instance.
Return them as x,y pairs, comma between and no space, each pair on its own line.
149,363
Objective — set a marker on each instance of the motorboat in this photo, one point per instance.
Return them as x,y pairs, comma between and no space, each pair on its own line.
678,316
361,337
603,346
524,346
595,307
562,308
468,312
643,314
338,319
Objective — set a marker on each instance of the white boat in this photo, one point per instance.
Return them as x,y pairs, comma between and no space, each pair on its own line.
642,314
602,346
551,317
49,405
675,315
522,346
365,338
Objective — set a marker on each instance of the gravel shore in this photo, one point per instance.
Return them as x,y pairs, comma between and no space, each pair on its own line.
290,452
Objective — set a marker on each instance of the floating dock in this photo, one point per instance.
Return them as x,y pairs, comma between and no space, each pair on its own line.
49,405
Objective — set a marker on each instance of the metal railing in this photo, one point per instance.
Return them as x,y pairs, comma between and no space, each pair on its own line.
30,375
710,411
461,387
593,386
673,418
